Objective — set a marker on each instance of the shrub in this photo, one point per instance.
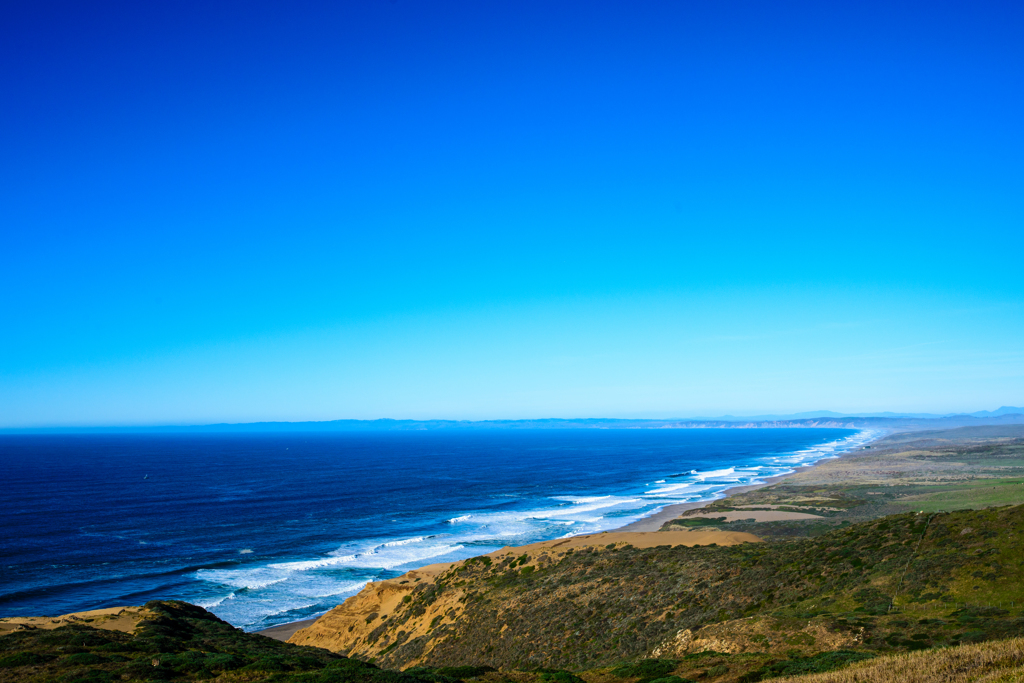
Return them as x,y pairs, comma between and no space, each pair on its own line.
650,669
83,659
23,659
560,677
819,663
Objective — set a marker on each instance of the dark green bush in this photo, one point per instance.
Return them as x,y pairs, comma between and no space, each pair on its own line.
447,674
83,659
651,669
146,671
463,672
268,664
23,659
560,677
90,676
821,662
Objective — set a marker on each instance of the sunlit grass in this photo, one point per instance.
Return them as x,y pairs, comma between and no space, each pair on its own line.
991,662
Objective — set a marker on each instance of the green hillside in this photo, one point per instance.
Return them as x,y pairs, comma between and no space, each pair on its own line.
904,582
183,643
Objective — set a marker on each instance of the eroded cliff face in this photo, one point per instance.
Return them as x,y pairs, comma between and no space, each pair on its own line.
760,634
356,627
421,617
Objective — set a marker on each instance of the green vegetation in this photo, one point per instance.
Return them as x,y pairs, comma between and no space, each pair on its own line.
823,661
560,677
993,662
902,583
183,643
646,669
959,469
968,495
448,674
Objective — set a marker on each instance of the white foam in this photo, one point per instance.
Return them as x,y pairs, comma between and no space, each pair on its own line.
681,485
209,605
329,589
320,563
715,474
404,541
581,499
251,595
253,579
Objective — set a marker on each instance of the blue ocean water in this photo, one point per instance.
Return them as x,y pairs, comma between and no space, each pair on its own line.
264,529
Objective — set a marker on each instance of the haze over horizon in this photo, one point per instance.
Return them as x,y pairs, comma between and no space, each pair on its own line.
217,212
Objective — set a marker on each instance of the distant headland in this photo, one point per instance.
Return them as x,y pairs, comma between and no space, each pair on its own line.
820,420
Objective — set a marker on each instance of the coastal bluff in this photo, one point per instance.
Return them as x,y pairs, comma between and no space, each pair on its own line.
901,582
358,627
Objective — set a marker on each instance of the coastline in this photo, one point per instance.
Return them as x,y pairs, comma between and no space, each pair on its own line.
655,521
283,632
650,524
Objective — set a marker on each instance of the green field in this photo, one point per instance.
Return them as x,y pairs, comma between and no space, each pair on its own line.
968,495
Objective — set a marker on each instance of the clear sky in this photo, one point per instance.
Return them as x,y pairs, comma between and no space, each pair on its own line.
237,211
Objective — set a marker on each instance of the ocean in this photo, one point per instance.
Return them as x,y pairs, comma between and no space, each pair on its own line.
263,529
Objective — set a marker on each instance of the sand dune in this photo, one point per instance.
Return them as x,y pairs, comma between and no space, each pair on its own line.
110,619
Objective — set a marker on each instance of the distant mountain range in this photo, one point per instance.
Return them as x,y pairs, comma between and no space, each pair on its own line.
819,419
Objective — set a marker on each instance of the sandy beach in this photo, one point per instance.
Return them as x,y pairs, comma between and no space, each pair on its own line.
668,513
643,533
284,631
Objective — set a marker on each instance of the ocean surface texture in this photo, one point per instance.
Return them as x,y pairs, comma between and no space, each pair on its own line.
266,529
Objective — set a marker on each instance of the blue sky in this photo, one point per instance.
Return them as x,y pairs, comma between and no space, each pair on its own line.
250,211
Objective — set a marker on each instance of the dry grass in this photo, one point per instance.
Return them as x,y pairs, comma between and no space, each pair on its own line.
1000,661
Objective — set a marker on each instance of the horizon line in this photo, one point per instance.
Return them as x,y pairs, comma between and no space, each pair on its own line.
1004,414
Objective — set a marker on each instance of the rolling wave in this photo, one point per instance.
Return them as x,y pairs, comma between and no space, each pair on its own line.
257,595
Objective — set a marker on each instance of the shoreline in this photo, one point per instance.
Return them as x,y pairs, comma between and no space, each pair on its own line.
285,631
655,521
649,524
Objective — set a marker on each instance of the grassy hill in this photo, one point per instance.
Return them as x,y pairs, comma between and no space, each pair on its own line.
181,642
901,584
905,582
931,591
